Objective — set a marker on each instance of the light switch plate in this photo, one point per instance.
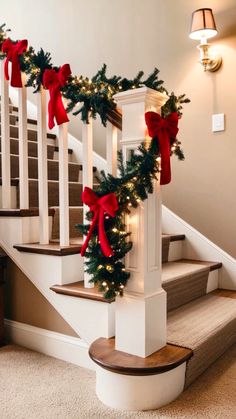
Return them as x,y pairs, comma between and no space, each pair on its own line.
218,122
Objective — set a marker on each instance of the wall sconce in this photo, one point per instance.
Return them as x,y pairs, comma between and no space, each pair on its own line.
203,27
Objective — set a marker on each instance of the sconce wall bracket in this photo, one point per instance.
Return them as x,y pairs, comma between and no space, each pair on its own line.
209,63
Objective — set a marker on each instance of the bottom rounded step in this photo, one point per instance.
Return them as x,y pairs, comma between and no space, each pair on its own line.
128,382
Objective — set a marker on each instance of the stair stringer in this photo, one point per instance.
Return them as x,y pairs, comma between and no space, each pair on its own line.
90,319
197,246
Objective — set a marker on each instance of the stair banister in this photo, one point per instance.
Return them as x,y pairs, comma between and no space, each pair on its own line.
87,153
5,141
64,185
42,168
23,145
141,312
111,148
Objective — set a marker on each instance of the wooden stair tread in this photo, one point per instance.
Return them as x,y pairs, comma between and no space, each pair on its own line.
53,248
31,212
212,265
103,353
184,267
29,120
225,293
49,134
70,151
174,237
77,289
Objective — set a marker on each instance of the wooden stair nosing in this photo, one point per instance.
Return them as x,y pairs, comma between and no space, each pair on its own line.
102,351
70,151
77,289
51,249
16,212
31,145
30,130
29,120
220,292
176,237
212,265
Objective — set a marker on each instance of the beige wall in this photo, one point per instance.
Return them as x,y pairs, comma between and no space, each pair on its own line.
132,34
24,303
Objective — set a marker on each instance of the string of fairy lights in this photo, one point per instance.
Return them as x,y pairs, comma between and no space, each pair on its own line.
89,97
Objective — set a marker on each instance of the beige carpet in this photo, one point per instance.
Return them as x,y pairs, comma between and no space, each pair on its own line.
207,325
35,386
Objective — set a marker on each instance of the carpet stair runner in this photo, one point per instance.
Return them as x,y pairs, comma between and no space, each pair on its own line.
202,322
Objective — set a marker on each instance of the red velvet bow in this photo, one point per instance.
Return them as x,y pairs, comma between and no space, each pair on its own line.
13,50
107,203
164,129
53,81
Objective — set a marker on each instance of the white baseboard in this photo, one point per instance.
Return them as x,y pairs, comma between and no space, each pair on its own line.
57,345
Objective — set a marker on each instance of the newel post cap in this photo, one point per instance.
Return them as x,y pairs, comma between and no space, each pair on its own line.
152,99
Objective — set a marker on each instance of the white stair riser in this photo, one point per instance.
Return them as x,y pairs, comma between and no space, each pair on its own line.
13,196
198,247
213,280
175,250
128,392
90,319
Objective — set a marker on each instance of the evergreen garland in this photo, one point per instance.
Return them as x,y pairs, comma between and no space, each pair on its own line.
92,96
134,183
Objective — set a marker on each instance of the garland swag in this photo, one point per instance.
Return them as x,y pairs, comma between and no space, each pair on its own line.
87,96
135,181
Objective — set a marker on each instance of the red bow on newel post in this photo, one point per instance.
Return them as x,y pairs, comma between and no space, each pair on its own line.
99,206
164,129
54,81
13,50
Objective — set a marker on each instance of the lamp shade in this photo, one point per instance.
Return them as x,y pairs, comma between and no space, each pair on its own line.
203,24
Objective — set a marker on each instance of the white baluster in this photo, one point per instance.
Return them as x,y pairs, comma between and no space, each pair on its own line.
42,169
63,185
5,141
87,139
23,145
111,149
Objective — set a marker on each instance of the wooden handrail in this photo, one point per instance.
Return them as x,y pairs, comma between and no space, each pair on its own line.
115,118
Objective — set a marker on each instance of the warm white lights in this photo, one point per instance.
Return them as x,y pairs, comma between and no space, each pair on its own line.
203,27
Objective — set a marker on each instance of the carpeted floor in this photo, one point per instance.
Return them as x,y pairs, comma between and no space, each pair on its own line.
35,386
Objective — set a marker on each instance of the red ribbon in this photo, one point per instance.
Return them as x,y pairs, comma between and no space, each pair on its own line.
13,51
164,129
54,81
107,203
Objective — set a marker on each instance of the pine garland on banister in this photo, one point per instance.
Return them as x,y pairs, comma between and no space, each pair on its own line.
85,96
130,188
107,240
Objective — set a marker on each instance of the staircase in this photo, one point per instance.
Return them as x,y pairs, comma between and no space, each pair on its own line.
201,322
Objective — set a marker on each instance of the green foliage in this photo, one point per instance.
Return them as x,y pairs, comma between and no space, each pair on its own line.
3,36
95,96
91,97
34,64
134,183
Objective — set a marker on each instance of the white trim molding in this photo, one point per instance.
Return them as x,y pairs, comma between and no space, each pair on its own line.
196,246
67,348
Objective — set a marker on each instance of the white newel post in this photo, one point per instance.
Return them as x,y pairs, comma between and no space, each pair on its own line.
23,145
5,141
63,185
111,149
87,142
141,312
42,168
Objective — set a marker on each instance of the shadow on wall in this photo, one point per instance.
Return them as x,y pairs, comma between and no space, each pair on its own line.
226,23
